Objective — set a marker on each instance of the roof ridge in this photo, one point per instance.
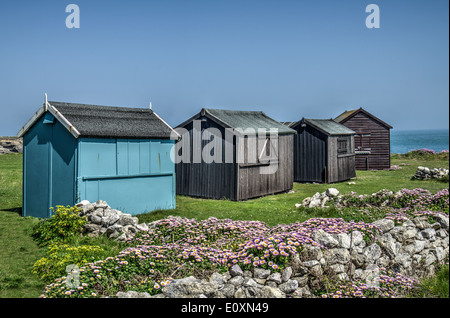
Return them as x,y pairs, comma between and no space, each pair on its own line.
101,106
87,120
233,110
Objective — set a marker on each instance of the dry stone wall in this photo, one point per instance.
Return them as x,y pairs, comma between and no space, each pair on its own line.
413,248
425,173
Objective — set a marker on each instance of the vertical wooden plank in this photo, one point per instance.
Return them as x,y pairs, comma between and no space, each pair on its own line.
144,156
122,156
98,157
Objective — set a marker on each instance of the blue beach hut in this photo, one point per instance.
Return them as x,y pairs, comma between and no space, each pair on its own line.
74,152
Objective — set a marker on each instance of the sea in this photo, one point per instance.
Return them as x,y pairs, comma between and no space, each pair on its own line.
403,141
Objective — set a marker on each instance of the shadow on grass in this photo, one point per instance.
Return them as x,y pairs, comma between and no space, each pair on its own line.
16,210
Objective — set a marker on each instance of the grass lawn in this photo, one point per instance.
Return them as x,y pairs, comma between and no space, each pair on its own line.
18,252
280,208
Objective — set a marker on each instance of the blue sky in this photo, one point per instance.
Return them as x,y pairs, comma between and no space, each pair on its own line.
291,59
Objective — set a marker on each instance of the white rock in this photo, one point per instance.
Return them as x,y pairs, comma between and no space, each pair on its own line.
324,238
343,240
332,192
84,202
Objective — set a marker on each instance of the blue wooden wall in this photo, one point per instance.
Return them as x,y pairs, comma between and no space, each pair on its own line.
48,167
134,176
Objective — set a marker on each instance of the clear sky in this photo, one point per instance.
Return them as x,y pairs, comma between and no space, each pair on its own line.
290,59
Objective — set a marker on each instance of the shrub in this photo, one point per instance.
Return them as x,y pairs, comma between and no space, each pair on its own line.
427,154
64,223
59,256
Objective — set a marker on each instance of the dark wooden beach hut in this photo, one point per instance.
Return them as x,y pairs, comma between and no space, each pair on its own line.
74,152
372,139
323,151
249,160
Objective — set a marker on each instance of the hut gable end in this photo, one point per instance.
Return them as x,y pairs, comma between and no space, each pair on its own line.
372,139
323,151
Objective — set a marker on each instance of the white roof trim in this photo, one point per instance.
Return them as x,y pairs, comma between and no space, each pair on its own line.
173,130
52,110
63,120
31,122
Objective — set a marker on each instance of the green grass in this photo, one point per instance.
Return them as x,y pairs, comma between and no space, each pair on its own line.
18,252
437,286
280,208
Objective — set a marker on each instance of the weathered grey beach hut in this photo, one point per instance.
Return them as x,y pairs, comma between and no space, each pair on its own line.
372,139
74,152
323,151
232,154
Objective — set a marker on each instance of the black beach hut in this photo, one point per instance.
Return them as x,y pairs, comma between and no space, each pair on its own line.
323,151
234,155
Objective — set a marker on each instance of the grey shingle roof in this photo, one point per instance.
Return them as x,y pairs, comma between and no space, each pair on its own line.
247,119
327,126
113,122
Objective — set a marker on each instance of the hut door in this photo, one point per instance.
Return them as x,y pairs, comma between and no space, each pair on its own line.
310,157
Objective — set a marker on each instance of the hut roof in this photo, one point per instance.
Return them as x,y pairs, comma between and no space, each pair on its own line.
326,126
350,113
238,119
289,123
84,120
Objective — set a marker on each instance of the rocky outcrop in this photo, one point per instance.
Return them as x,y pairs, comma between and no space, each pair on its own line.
10,145
424,173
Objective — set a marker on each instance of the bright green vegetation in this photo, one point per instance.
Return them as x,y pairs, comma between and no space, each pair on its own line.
437,286
19,251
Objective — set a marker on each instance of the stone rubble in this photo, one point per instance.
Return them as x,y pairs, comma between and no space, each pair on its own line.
425,173
113,223
320,200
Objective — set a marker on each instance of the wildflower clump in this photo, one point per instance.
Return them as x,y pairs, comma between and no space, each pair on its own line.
385,284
